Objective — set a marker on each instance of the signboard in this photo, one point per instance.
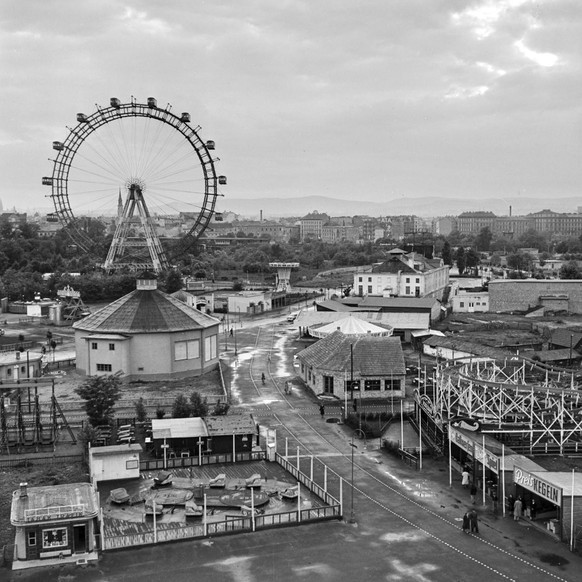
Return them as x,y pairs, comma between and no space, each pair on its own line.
461,440
538,486
486,458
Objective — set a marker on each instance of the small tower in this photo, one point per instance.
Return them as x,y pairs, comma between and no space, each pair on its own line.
283,274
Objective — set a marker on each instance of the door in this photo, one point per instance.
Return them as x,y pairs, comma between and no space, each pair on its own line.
79,539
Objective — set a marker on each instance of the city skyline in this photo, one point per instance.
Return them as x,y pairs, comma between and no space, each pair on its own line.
376,102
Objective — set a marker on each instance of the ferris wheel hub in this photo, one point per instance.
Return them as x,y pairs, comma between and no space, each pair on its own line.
135,184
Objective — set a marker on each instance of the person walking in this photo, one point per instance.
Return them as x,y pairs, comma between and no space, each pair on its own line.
263,377
466,522
321,410
532,510
465,478
473,492
517,508
474,521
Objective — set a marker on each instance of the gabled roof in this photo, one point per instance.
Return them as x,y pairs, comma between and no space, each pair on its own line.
146,311
372,356
393,265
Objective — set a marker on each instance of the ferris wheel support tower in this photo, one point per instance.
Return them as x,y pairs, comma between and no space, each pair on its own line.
122,239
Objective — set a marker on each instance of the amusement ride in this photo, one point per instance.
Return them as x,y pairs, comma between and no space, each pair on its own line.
151,165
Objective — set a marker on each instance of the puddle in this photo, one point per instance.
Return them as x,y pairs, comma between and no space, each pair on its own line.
553,560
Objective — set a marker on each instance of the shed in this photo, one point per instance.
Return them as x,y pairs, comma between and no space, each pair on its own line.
231,432
114,462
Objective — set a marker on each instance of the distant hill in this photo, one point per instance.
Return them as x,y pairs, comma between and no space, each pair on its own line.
427,206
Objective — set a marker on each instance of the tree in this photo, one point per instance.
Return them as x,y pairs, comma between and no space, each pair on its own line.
100,394
173,282
461,260
141,413
483,239
181,407
570,271
220,409
446,254
472,260
520,261
198,406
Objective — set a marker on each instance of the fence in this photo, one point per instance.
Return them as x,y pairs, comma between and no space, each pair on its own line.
183,462
315,488
13,462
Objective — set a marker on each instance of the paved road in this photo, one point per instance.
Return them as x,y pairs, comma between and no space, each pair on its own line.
406,522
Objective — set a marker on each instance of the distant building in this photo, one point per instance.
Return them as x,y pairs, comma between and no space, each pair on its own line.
473,222
311,226
470,302
409,275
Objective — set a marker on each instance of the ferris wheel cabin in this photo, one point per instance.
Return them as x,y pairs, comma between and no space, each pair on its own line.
222,180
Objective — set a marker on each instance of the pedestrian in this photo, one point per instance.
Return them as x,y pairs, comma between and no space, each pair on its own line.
466,522
321,410
263,377
465,478
473,492
474,521
494,498
532,510
517,507
231,331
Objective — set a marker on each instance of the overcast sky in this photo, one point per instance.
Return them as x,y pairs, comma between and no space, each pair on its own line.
351,99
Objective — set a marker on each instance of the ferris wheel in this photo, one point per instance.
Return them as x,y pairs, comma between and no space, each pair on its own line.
147,170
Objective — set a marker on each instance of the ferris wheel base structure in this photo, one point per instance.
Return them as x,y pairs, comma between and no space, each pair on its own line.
157,158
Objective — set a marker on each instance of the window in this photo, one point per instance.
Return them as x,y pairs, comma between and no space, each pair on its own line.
210,348
418,279
369,288
104,367
54,538
392,384
131,464
187,350
328,384
369,279
93,345
360,279
462,304
23,369
111,347
407,291
408,279
372,385
352,385
32,538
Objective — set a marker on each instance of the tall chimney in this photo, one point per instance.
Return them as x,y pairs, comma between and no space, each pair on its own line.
261,216
510,211
23,490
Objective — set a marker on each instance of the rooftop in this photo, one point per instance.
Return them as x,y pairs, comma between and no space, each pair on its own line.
372,356
53,502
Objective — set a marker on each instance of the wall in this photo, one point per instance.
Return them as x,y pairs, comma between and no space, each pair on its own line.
519,295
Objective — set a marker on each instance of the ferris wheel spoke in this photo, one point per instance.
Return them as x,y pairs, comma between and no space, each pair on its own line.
165,160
